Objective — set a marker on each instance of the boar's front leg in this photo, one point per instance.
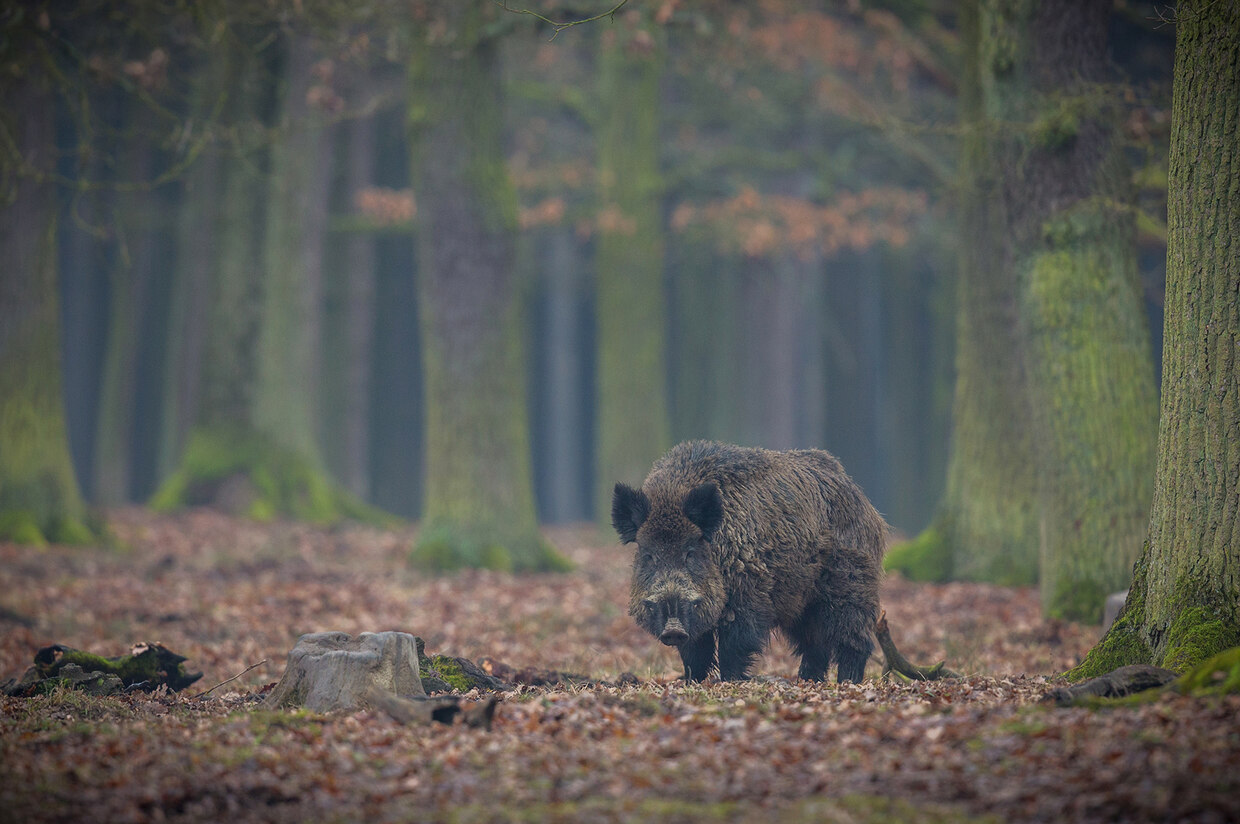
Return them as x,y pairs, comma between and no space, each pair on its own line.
698,656
740,641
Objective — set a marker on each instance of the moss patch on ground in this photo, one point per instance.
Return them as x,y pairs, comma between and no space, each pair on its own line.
247,474
444,548
925,558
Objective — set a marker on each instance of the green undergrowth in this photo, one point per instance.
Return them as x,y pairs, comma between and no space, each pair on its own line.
443,548
250,475
925,558
22,527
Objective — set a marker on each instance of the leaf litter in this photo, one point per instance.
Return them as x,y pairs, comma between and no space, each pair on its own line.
631,742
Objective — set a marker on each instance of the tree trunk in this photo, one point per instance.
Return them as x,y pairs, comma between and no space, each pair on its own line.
286,400
1090,369
479,504
348,400
131,270
562,400
197,235
1054,400
633,426
253,448
39,498
1184,604
989,515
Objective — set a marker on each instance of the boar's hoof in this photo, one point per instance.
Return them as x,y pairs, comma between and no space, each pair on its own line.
673,633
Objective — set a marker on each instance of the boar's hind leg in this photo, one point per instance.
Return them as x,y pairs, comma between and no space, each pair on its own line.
831,630
699,657
739,642
852,663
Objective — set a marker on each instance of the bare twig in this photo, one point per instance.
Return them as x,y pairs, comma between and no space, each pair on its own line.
234,678
560,26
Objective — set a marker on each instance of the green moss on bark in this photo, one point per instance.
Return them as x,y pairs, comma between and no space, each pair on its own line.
1123,643
1194,637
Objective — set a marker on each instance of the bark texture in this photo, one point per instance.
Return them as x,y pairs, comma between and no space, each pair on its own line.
633,425
39,497
1055,405
479,498
1184,604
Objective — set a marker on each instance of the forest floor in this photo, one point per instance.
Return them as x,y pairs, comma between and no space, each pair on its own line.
228,594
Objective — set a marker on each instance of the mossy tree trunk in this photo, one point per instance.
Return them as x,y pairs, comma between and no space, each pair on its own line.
1184,604
349,321
197,235
39,497
221,439
1087,349
989,516
1053,418
479,501
286,397
632,423
253,447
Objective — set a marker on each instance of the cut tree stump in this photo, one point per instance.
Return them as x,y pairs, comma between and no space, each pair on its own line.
335,671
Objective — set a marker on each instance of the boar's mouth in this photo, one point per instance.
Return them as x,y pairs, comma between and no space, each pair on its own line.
674,633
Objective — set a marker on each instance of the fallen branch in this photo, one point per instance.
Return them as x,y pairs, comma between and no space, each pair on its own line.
234,678
900,665
423,710
1115,684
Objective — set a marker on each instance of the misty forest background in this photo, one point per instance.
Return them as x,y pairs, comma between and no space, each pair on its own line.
445,261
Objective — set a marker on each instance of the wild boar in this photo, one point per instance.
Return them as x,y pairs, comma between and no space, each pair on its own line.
733,542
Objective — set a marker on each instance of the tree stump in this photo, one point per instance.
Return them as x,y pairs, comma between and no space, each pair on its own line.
335,671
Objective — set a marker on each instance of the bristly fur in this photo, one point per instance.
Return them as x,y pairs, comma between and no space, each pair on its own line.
735,542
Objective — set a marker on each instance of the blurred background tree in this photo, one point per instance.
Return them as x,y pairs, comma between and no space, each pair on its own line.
1051,466
473,275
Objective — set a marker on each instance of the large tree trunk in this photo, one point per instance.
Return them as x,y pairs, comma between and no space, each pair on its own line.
349,323
39,496
253,448
479,504
133,229
989,514
1184,604
1054,398
286,400
633,425
1090,369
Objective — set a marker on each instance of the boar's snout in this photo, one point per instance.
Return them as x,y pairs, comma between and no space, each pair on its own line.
673,633
673,616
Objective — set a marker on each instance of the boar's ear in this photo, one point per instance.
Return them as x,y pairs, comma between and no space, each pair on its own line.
629,508
704,507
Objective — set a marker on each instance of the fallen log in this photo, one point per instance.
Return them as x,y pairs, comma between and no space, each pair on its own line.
145,667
